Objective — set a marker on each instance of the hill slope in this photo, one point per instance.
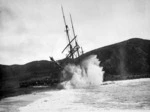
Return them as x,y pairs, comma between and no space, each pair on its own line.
125,60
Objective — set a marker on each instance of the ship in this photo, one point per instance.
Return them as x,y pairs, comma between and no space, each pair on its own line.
73,47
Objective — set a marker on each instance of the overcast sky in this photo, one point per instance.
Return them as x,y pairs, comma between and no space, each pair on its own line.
34,30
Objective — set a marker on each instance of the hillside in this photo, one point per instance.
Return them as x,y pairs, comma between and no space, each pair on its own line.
125,60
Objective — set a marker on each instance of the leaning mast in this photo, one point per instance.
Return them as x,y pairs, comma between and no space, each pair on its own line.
77,46
67,33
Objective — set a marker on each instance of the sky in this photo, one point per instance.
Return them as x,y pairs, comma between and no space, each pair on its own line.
32,30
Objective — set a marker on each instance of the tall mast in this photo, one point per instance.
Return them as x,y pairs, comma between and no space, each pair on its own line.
67,33
74,35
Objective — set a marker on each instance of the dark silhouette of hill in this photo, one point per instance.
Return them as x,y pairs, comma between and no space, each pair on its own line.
125,60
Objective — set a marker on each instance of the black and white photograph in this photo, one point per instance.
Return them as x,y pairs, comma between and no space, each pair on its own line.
74,55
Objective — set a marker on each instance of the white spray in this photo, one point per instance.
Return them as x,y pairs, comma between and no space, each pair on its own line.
88,73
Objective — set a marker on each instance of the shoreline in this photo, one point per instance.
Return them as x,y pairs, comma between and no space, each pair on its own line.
65,100
36,99
12,104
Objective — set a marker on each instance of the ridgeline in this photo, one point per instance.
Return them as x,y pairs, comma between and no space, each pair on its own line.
125,60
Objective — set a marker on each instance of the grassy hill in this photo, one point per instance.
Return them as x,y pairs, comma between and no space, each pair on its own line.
125,60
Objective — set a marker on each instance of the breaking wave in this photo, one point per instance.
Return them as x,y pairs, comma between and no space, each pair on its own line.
87,73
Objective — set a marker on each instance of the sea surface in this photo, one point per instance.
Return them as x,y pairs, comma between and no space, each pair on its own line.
129,95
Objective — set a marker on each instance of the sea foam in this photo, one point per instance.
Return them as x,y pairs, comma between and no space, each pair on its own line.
87,73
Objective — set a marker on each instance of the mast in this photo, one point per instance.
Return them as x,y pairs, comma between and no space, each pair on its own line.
74,36
82,50
67,33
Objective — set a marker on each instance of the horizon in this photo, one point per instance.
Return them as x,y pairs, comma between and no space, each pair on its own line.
32,30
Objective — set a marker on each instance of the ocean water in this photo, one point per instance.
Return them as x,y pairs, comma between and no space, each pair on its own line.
85,92
129,95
